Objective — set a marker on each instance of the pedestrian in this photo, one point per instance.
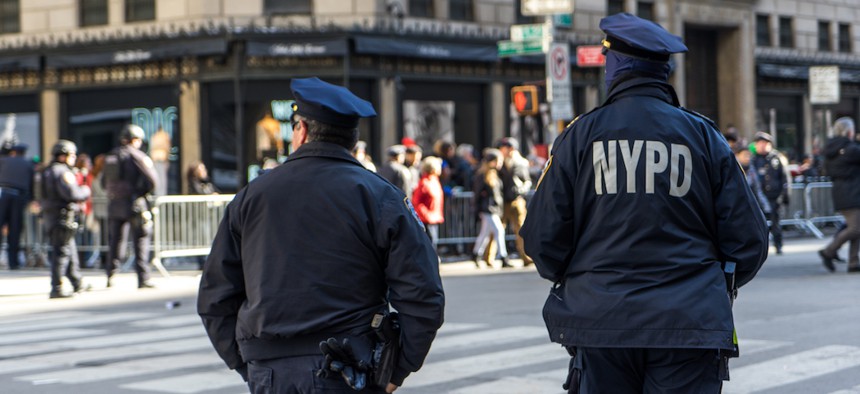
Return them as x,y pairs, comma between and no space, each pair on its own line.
842,163
775,181
488,203
640,207
360,154
99,213
428,198
130,179
744,158
198,180
412,162
62,199
395,171
516,183
317,250
16,190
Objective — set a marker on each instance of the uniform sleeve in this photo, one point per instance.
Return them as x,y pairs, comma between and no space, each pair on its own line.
741,227
147,172
68,189
548,230
222,288
414,285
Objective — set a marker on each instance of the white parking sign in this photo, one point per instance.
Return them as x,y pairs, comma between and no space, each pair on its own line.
558,81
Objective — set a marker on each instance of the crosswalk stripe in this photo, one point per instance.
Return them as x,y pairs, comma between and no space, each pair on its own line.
78,357
487,338
172,321
450,370
125,369
451,328
792,368
537,383
753,346
190,384
100,341
65,323
853,390
47,335
42,317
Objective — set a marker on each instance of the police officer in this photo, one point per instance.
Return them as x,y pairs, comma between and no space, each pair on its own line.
637,209
16,186
61,200
313,250
129,178
774,179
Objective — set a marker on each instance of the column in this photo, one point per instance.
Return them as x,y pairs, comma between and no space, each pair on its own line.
388,110
50,120
499,104
189,128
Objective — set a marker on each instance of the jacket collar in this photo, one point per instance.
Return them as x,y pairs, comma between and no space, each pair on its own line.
633,85
323,149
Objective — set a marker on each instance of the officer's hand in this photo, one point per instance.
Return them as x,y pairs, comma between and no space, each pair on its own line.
390,388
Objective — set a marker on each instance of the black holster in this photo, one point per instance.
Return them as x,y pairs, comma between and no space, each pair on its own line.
386,328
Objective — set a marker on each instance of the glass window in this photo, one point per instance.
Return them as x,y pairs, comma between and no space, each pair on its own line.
786,32
10,16
139,10
614,6
823,35
762,30
844,37
287,6
421,8
461,10
645,10
94,12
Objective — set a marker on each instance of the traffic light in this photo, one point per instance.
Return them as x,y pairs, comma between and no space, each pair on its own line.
525,99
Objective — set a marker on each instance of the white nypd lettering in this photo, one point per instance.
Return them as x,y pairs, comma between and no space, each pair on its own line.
659,157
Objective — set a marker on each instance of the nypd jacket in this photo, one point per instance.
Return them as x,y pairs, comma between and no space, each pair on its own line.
128,175
313,249
772,175
638,206
60,190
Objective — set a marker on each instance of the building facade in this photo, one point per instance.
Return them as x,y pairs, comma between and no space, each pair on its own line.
209,79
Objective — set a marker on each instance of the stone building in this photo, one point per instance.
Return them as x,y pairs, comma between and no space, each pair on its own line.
79,69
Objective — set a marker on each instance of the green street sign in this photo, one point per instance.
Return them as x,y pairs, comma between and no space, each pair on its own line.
518,48
528,32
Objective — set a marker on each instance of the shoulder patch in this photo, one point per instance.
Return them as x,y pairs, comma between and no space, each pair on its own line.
543,174
412,210
69,178
698,115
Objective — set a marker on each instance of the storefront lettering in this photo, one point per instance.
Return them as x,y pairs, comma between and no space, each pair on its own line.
131,56
296,49
433,50
155,119
282,110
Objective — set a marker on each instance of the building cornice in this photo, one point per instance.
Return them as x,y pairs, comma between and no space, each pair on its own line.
801,57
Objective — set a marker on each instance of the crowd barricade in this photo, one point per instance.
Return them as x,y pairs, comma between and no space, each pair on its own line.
819,202
795,212
184,226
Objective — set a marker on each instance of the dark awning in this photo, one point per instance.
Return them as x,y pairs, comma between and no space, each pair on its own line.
802,72
27,62
298,48
138,53
425,49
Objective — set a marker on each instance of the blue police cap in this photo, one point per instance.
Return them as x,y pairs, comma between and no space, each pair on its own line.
633,36
329,104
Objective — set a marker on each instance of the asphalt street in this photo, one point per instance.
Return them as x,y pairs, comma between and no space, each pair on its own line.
799,328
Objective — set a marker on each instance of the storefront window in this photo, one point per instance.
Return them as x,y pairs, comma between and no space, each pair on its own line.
22,127
782,117
428,121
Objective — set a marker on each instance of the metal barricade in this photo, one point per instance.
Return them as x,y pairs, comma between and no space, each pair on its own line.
819,204
186,225
795,213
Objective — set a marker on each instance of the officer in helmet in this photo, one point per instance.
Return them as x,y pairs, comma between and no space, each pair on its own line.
61,200
638,218
129,178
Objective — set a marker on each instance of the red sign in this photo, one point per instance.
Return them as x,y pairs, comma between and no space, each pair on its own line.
590,56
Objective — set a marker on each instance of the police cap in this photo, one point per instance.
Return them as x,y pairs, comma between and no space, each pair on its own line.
330,104
64,147
20,148
395,150
508,142
762,136
633,36
131,132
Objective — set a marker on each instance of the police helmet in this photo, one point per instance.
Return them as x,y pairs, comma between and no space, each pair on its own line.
64,147
130,132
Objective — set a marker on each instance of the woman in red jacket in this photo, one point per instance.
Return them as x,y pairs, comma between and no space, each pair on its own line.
428,198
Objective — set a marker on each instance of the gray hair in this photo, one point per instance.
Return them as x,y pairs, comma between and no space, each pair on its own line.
843,127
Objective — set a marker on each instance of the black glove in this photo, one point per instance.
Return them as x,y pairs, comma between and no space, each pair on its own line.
339,358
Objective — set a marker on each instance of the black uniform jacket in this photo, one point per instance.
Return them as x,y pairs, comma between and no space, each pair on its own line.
315,248
771,174
638,206
60,191
137,178
842,165
17,172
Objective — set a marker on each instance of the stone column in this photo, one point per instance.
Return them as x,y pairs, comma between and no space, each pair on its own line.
189,128
389,108
499,104
50,120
